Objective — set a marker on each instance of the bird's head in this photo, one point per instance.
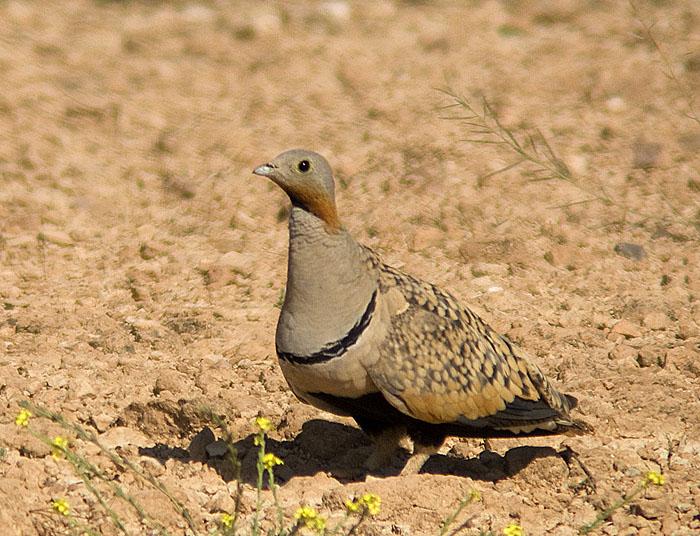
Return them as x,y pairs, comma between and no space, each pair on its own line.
307,179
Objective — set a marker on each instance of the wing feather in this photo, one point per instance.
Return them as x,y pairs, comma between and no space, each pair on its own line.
440,363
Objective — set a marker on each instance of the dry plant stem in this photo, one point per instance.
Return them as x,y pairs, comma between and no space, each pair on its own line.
339,526
683,89
536,149
119,461
72,521
453,516
280,515
86,472
235,463
605,514
357,524
259,483
487,128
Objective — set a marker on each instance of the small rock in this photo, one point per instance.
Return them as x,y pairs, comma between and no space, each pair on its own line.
479,269
337,9
10,292
168,380
55,236
652,509
687,329
623,352
484,282
615,104
242,263
82,387
152,465
683,508
645,154
656,320
221,501
200,442
630,251
150,329
602,320
121,436
627,328
102,421
648,357
426,237
217,449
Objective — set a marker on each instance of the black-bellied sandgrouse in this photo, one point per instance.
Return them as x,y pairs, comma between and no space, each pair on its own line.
357,337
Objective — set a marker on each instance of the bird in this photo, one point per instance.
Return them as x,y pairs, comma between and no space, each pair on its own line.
402,357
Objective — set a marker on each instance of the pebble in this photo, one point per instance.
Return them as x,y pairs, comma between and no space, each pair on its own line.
483,282
121,436
683,507
479,269
10,292
623,352
102,421
56,237
630,251
687,329
200,442
238,262
615,104
221,501
627,328
217,449
656,321
337,9
648,357
168,380
645,154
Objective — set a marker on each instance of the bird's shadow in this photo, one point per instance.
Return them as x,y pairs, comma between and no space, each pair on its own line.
340,451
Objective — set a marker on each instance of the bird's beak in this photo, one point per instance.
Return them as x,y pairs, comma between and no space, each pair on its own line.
265,170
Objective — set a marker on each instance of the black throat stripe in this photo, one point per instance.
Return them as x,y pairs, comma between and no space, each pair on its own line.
337,348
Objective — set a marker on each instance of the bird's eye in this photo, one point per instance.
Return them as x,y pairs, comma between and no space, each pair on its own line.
304,166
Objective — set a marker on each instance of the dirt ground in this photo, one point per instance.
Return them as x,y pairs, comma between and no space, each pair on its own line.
142,265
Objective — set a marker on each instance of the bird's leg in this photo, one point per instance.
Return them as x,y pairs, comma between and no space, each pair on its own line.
568,454
386,443
427,440
385,439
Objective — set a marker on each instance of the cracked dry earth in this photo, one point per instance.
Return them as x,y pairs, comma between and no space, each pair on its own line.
141,263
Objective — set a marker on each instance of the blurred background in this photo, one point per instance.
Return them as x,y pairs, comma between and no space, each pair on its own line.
141,262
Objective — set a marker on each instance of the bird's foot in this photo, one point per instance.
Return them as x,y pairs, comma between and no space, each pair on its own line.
568,454
415,463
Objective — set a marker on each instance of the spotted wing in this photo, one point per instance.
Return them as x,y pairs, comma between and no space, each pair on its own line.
440,363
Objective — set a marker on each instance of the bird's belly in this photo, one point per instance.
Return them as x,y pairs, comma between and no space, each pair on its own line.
343,376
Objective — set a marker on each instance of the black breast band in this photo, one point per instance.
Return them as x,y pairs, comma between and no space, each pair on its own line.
337,348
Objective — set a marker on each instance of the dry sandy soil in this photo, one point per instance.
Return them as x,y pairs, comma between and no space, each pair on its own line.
141,264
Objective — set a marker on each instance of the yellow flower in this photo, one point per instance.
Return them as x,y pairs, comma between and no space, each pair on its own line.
22,418
474,495
513,529
59,445
227,520
263,424
352,506
368,502
372,502
270,460
310,518
652,477
61,506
